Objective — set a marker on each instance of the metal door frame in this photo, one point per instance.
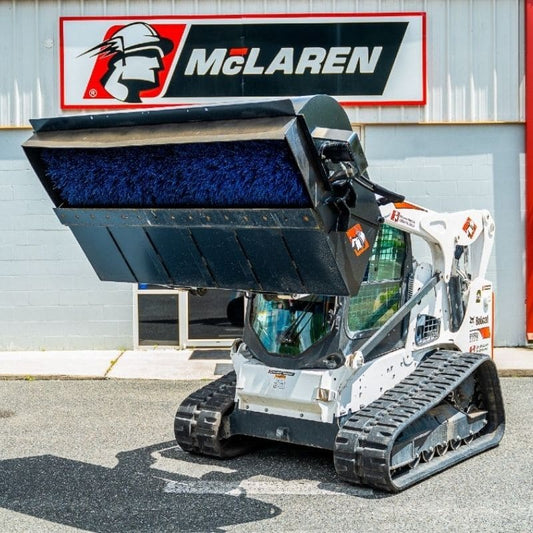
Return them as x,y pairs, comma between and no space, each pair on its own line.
183,321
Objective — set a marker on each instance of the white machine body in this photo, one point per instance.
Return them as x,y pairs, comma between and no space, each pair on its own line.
324,395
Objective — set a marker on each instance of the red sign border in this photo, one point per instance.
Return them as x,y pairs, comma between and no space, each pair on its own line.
351,103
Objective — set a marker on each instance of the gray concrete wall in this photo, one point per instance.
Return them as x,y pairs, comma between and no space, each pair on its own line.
50,298
455,167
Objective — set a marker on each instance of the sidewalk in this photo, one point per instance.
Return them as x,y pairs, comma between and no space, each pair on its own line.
163,363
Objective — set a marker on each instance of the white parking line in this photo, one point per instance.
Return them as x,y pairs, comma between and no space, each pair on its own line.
265,488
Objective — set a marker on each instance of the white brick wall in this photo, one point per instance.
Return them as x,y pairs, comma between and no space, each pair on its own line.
450,168
50,297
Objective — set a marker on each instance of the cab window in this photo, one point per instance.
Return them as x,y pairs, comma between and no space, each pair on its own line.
380,292
288,326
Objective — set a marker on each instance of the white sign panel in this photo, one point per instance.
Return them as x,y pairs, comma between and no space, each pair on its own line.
361,59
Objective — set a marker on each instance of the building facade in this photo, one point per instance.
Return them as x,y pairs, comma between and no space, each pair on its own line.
463,148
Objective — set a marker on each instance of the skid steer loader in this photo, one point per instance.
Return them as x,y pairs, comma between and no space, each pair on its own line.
352,342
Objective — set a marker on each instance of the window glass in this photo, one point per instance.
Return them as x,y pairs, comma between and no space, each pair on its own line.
288,326
158,319
380,292
388,255
215,314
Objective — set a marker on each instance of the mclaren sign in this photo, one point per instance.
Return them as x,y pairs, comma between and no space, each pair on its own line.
154,61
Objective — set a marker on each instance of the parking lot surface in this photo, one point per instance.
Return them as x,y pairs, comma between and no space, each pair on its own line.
99,455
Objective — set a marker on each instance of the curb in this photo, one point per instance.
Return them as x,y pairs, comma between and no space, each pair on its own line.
170,364
504,373
515,373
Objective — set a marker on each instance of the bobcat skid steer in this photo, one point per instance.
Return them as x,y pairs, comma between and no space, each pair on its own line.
352,342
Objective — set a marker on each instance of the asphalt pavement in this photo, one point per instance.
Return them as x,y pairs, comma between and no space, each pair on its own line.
99,455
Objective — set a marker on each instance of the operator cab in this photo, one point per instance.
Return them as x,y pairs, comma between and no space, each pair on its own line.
380,294
289,325
317,331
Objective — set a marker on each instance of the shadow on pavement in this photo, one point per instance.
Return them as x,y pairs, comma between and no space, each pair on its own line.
129,497
278,463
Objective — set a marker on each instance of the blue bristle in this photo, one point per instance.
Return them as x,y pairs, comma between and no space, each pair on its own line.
219,174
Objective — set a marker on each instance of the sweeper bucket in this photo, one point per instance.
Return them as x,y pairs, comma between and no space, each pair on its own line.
237,196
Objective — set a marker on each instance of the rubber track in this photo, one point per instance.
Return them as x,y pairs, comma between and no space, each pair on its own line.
364,444
198,421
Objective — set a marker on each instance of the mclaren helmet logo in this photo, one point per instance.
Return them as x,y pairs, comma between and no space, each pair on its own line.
135,52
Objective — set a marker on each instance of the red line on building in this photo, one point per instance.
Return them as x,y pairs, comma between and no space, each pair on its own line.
529,166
